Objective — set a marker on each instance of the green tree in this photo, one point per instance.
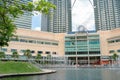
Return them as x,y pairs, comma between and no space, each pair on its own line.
2,55
38,56
11,9
49,56
115,56
28,54
15,55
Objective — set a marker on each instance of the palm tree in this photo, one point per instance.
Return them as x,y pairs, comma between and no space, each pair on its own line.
2,55
15,54
49,57
115,57
28,54
38,56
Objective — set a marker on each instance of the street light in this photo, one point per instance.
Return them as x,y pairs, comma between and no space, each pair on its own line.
88,49
76,48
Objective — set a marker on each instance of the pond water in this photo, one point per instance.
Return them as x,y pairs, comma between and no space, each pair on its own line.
75,74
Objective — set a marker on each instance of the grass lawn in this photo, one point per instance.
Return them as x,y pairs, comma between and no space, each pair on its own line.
17,67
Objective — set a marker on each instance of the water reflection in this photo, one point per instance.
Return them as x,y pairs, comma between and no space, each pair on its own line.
75,74
15,78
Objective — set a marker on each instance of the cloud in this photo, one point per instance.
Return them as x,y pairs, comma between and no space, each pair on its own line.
37,28
83,14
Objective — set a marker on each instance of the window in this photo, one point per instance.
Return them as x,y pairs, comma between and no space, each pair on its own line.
32,51
39,42
54,53
111,51
22,51
47,52
118,50
81,37
13,50
47,43
23,40
40,52
4,49
14,39
55,44
94,42
111,41
118,40
67,43
32,41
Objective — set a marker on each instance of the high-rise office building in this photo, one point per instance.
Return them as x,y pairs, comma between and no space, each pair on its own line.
107,14
24,21
59,19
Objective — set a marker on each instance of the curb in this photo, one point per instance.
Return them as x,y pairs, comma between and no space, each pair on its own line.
45,71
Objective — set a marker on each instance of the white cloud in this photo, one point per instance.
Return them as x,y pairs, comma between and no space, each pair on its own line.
37,28
82,14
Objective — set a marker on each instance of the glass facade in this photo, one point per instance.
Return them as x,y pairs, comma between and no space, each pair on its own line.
58,20
82,46
34,41
25,20
107,14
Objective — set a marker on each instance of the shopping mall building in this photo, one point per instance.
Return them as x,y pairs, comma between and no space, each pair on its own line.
81,48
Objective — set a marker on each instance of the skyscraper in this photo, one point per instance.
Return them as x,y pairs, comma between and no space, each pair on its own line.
24,21
58,20
107,14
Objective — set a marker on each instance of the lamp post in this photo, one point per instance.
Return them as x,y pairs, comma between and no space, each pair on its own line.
88,49
76,48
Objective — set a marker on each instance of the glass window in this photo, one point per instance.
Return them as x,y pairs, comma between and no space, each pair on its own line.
40,52
70,38
118,50
67,43
94,42
14,39
22,51
47,43
54,43
81,37
54,53
32,41
118,40
13,50
111,51
32,51
82,42
4,49
23,40
40,42
111,41
47,52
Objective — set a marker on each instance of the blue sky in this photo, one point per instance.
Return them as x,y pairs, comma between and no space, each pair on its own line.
82,14
36,22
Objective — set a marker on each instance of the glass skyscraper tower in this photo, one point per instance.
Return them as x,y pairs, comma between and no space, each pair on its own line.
107,14
24,21
58,20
